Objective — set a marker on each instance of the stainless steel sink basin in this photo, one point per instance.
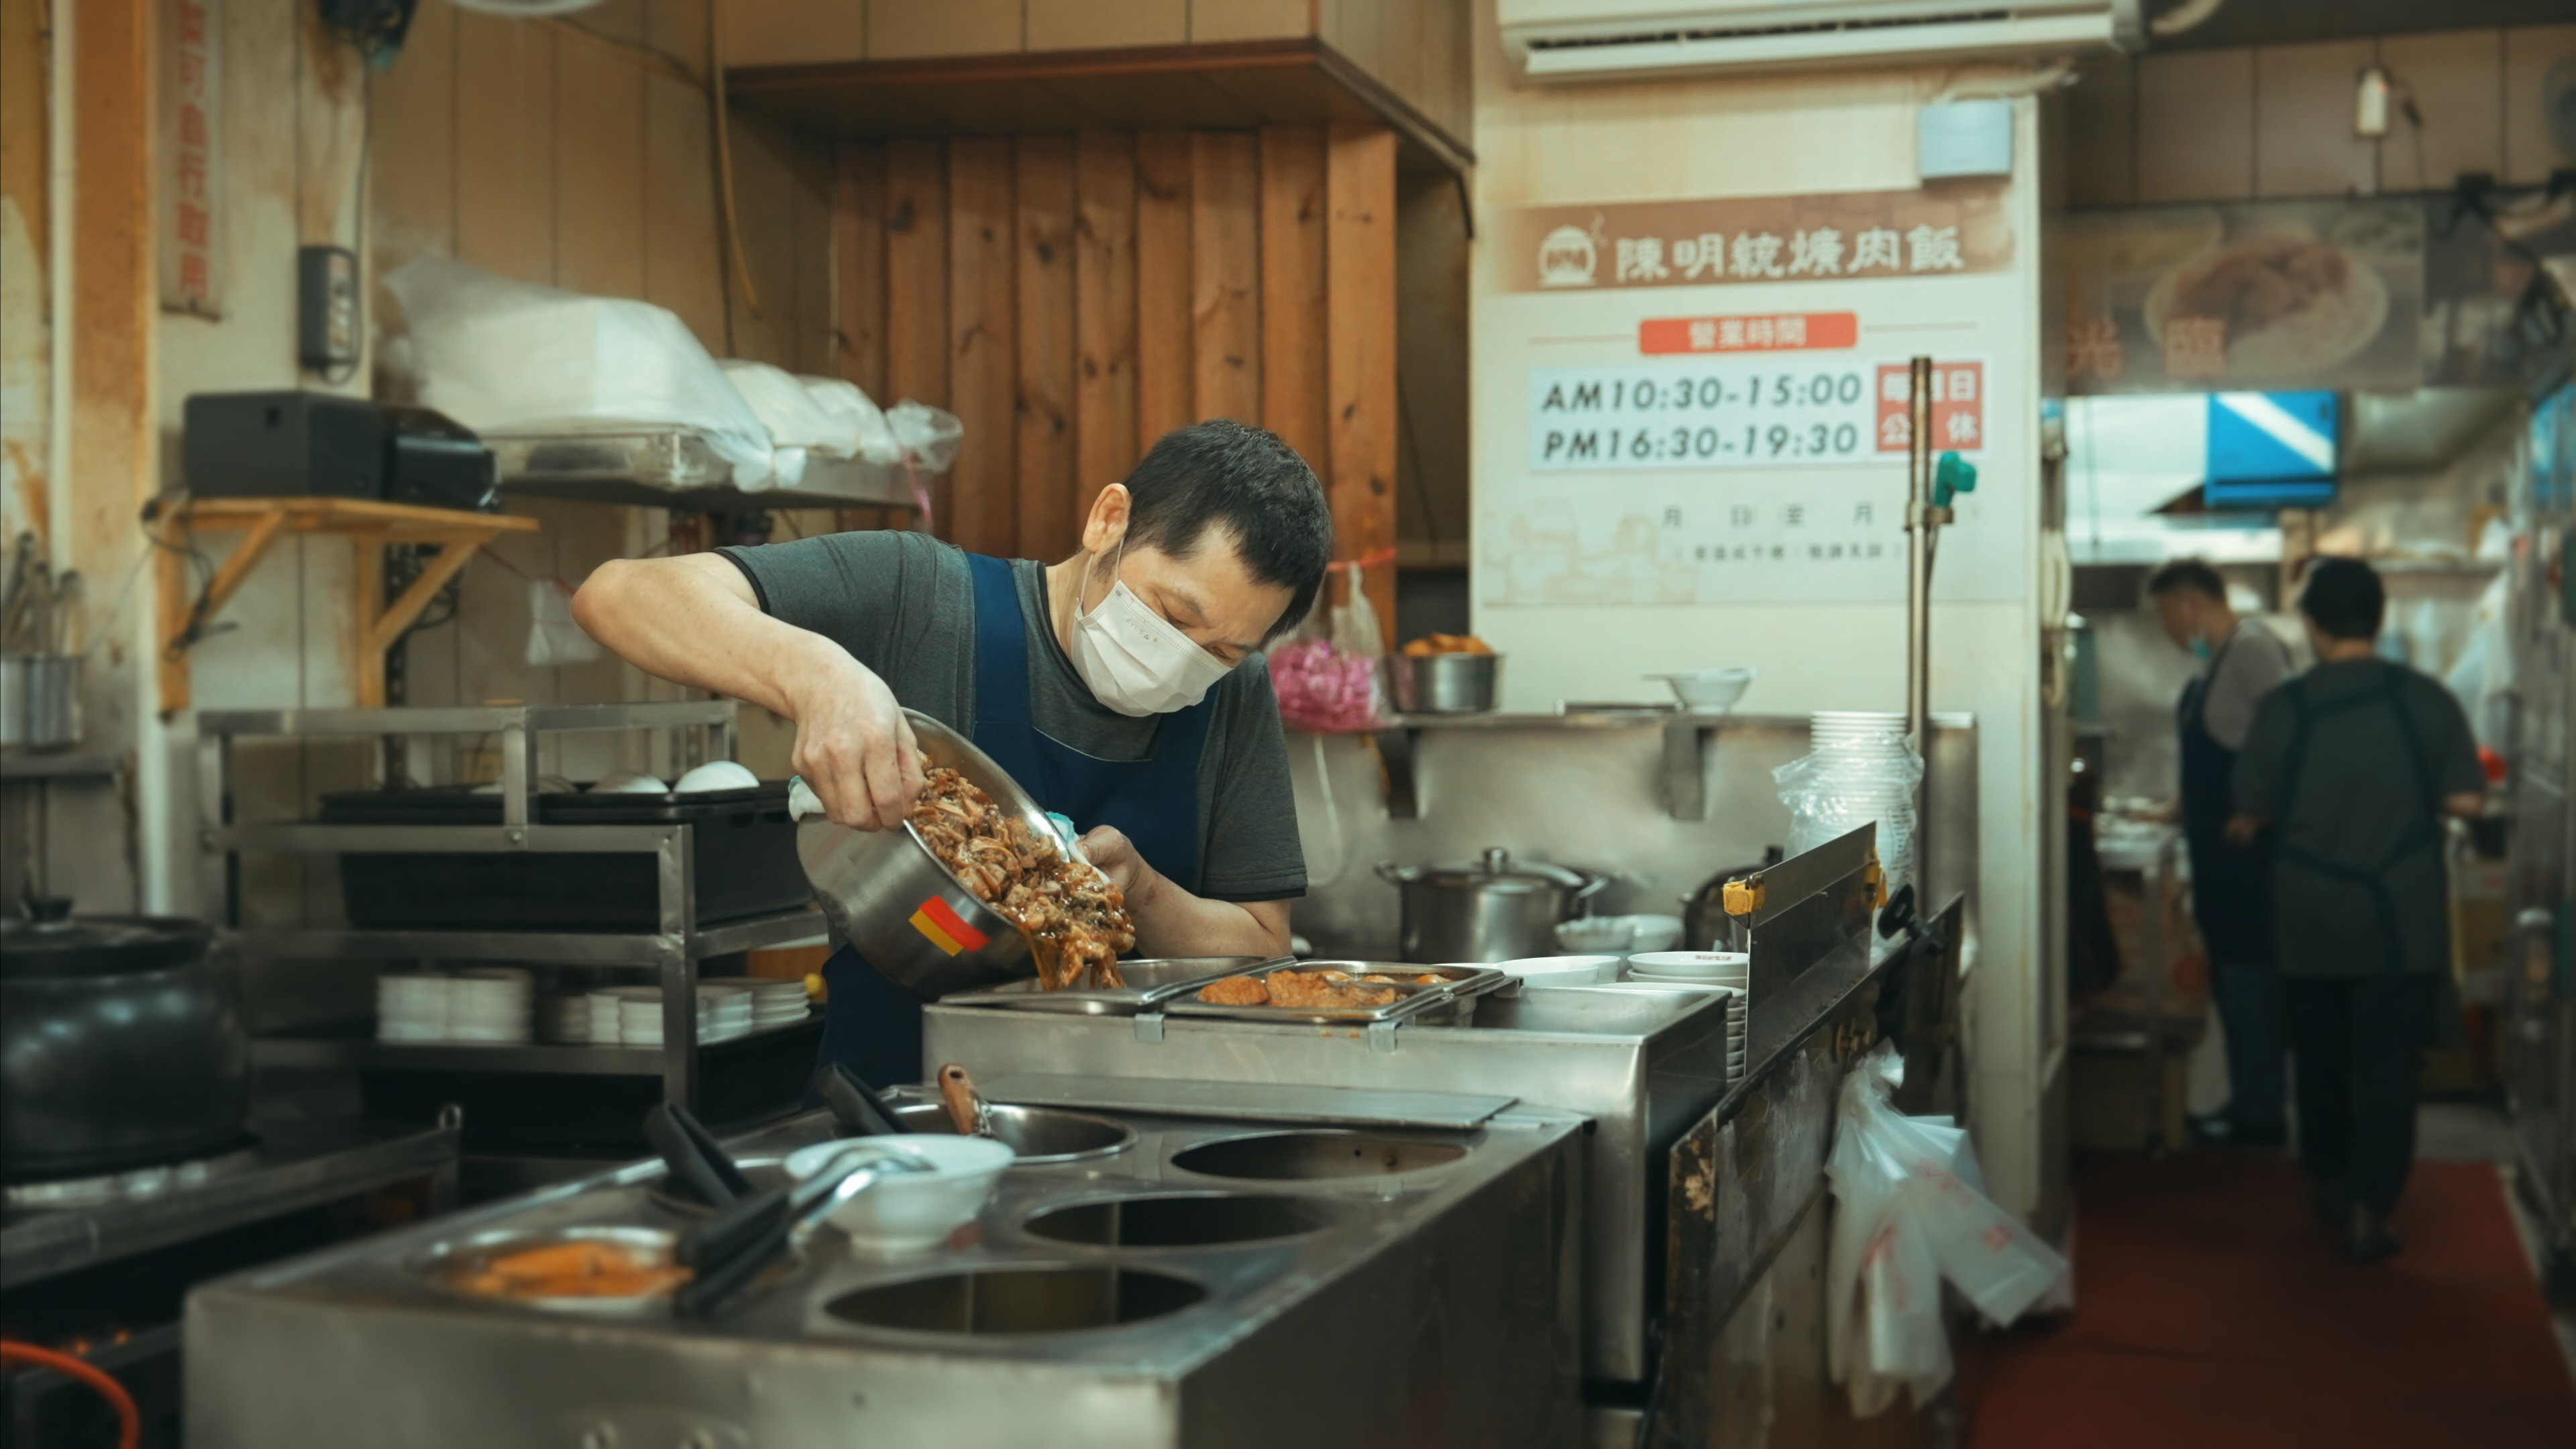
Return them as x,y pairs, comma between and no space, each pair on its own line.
1179,1220
1042,1136
1289,1156
1019,1300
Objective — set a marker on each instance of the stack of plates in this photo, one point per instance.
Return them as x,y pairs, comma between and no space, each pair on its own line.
724,1012
639,1023
1738,1017
608,1012
564,1018
411,1007
774,1002
494,1004
1732,969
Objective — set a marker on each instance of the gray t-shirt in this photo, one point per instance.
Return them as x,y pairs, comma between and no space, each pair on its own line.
903,604
2358,798
2250,665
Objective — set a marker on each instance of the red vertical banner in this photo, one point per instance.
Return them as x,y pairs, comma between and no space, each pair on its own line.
191,134
1958,407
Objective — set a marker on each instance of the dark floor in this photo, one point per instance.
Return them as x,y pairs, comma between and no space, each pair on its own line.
2213,1311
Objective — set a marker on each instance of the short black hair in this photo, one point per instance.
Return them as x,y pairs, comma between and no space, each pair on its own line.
2187,573
2344,599
1248,482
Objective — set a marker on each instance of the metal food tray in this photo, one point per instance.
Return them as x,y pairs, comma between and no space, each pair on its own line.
1150,982
1413,1000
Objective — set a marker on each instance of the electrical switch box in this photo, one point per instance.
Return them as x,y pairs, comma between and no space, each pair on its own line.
326,308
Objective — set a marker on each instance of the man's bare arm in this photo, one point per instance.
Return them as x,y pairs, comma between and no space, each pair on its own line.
694,621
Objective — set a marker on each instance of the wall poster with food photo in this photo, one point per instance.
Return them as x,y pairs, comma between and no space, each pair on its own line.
2257,295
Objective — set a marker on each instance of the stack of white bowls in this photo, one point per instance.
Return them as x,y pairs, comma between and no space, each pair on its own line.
774,1001
1871,776
639,1023
564,1018
491,1004
608,1012
1562,970
411,1007
724,1012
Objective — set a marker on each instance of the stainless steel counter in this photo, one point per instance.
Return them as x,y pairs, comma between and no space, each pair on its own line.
1417,1290
1641,1065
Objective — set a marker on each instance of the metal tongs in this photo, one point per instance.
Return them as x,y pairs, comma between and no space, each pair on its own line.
728,1252
695,1160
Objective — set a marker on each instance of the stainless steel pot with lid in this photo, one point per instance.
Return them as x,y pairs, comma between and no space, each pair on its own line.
1491,909
121,1044
885,893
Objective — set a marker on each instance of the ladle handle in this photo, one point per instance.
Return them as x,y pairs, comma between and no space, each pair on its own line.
709,1290
711,1244
687,1159
856,1105
965,1107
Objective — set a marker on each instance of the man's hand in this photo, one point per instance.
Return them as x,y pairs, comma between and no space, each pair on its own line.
1109,848
855,748
2243,827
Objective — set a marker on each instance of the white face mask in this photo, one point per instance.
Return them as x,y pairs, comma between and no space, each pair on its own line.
1134,660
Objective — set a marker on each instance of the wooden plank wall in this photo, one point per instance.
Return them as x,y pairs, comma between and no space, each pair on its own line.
581,153
1073,298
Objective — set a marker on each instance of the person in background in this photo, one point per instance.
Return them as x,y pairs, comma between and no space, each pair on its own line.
2241,662
2349,770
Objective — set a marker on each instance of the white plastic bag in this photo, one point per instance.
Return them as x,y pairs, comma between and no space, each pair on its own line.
785,408
501,357
1910,1213
857,417
927,436
1327,678
553,637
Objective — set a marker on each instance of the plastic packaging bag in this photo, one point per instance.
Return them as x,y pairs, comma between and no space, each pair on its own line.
926,436
501,356
1910,1213
1327,678
789,412
1844,785
553,637
857,417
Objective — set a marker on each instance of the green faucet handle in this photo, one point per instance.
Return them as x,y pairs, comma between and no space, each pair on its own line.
1954,475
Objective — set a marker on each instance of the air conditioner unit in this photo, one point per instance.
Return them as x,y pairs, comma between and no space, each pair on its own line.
1582,40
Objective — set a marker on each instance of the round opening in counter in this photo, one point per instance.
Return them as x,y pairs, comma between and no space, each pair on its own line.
1288,1156
1006,1301
1179,1220
1041,1136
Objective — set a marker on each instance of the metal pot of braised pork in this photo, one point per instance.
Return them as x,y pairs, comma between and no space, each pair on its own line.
121,1044
976,889
1493,909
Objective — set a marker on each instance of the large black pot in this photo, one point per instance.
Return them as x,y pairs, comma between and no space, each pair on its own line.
121,1044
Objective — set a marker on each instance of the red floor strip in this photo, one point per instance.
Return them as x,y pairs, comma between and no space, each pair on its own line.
2212,1311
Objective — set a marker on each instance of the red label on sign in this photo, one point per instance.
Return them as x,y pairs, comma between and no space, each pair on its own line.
1791,332
1958,407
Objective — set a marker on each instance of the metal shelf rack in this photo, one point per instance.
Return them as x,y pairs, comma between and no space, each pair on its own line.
671,951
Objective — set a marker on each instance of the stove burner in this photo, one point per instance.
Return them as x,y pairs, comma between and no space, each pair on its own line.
131,1185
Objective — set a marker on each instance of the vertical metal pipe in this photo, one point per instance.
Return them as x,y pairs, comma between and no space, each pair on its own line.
1919,523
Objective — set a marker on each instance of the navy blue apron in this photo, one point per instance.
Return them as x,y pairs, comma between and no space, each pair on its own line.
873,1025
2231,884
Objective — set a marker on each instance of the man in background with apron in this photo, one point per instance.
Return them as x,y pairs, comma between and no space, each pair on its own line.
1122,687
2348,771
2231,884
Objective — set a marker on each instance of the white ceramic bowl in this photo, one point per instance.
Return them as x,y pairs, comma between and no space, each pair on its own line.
1703,965
1591,934
1709,689
1562,970
910,1212
1653,933
716,775
630,782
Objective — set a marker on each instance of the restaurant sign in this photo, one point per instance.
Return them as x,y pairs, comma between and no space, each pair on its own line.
1928,232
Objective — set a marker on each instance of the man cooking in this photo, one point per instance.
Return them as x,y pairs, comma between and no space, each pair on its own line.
1122,687
2349,770
2230,884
